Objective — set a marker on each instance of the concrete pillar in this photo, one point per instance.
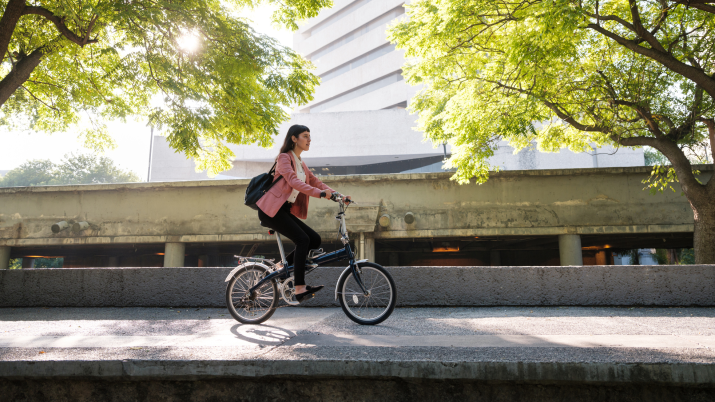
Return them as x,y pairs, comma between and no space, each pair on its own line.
28,262
174,254
370,248
113,261
601,258
570,250
494,258
4,257
366,247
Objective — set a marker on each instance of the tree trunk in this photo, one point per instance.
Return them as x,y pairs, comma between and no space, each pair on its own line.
701,198
704,236
13,12
19,74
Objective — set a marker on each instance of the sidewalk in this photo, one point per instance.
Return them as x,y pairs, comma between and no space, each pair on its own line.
577,345
445,334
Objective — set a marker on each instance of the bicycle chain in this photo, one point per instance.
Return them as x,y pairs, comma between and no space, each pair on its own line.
280,297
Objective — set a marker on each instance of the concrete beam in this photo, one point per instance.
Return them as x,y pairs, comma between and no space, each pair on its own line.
174,254
570,250
4,257
512,203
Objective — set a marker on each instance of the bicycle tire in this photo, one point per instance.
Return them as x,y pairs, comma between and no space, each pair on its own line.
253,273
352,301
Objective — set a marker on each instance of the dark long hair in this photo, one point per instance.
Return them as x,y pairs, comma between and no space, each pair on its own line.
294,131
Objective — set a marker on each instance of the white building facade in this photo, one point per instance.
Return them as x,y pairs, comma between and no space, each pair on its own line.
358,120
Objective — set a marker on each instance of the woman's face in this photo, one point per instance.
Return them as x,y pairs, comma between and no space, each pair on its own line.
303,141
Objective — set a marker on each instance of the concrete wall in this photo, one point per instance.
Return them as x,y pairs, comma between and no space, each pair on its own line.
529,158
416,286
338,139
540,202
348,138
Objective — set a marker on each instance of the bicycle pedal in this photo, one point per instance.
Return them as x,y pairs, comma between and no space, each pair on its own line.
311,265
306,298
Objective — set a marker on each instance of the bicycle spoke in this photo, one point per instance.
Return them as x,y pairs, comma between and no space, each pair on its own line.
376,303
261,302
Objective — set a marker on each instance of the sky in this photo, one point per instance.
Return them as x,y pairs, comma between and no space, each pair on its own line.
132,138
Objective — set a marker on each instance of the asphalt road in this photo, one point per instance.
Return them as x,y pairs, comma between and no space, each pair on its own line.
507,334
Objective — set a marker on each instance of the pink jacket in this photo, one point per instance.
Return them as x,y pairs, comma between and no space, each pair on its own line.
272,201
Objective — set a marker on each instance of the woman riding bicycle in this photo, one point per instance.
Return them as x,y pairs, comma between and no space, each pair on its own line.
286,203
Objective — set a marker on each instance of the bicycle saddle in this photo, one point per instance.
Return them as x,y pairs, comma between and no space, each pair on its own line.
270,231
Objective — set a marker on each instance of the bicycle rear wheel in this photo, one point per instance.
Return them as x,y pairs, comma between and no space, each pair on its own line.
377,306
256,308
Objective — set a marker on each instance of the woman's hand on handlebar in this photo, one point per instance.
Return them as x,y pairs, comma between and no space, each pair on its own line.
334,197
346,198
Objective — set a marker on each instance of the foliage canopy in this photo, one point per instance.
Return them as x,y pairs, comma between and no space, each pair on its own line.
556,72
568,74
194,67
74,169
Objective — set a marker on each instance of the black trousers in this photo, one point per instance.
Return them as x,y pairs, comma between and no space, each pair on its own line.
298,232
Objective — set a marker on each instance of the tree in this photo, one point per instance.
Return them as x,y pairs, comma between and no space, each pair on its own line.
32,173
568,73
91,169
74,169
216,81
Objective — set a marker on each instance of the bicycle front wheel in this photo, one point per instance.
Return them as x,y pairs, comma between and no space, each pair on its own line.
256,308
374,307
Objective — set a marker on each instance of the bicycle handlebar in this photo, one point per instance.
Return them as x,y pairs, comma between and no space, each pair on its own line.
337,197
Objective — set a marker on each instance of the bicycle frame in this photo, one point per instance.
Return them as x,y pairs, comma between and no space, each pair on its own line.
345,253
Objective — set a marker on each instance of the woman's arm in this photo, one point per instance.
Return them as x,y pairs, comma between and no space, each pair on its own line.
284,168
315,182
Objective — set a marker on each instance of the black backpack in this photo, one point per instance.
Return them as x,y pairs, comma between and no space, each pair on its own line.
258,186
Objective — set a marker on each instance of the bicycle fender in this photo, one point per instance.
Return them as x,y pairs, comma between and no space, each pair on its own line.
233,272
341,275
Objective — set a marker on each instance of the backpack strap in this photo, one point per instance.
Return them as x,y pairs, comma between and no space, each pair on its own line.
272,172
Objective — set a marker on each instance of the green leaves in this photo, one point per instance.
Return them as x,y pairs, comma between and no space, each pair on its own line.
232,87
74,169
541,71
662,178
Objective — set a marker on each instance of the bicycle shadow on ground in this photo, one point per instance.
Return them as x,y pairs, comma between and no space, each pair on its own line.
265,335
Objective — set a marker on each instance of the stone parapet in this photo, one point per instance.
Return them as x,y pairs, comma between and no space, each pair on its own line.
678,285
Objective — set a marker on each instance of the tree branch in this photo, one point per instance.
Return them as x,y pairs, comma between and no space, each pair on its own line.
39,100
641,31
699,4
710,124
19,74
644,113
675,155
60,25
694,74
9,19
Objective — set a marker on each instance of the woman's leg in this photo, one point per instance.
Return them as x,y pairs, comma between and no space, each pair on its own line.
300,254
291,227
315,239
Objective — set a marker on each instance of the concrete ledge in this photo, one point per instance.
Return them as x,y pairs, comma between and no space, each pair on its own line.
663,374
160,186
416,286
